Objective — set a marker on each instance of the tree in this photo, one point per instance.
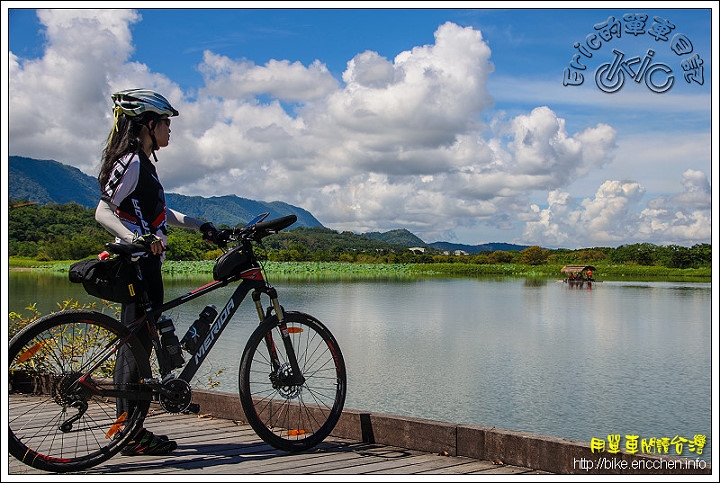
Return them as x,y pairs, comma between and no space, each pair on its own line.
640,253
499,256
185,244
534,255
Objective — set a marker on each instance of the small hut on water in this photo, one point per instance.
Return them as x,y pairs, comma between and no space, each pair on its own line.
578,274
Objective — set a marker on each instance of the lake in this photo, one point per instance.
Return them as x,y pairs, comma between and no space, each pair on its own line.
534,355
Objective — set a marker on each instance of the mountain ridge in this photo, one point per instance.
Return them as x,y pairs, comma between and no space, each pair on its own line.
49,181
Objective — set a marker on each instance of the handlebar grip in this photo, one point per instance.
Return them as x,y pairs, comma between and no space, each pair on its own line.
277,224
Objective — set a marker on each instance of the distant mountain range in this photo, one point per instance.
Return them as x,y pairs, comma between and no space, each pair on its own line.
48,181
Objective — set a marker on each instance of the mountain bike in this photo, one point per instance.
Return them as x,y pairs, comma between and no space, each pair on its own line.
63,411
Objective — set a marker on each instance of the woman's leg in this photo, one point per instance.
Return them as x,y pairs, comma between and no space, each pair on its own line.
125,370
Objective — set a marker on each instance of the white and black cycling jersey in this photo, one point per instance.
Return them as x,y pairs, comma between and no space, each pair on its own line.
134,188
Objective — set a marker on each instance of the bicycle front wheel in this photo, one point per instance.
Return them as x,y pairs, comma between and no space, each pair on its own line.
288,413
62,413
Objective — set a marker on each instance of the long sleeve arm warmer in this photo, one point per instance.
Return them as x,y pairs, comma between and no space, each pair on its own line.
175,218
105,215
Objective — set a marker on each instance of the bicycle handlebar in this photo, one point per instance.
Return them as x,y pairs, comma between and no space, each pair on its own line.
254,232
258,231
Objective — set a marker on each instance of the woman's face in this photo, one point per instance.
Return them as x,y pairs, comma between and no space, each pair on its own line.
162,132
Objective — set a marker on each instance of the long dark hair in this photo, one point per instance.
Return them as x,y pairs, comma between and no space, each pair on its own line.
124,138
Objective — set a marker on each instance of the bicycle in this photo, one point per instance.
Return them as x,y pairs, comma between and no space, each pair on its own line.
62,414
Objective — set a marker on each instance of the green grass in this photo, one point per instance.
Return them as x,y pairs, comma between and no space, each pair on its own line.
344,271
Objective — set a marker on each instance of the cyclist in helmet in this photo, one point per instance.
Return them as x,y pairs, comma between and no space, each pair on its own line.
132,208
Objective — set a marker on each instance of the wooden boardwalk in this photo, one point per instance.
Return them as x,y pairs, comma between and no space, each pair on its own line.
214,446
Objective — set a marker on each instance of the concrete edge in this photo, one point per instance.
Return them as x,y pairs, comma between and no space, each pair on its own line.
515,448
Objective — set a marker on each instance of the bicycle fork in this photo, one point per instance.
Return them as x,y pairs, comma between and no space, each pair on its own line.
295,378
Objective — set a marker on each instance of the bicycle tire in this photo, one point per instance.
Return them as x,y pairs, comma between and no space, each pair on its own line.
293,418
55,423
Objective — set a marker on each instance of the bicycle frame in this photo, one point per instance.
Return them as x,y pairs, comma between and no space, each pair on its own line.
249,280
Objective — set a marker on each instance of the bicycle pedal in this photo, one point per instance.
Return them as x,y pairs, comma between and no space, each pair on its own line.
193,408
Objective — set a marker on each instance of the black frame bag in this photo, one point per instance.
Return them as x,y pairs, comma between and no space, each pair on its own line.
111,279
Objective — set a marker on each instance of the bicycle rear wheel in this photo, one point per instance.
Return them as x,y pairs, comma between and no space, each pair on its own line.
289,416
62,414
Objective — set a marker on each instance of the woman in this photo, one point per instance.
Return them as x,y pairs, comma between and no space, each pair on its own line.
132,208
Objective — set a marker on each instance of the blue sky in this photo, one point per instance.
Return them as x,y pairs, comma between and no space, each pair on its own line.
451,122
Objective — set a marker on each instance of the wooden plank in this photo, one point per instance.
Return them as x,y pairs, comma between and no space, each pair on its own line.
425,463
384,460
331,457
436,464
463,466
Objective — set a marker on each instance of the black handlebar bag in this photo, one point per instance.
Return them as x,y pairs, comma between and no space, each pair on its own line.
232,262
111,279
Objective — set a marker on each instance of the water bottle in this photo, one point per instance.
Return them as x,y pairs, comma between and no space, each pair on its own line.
169,341
195,335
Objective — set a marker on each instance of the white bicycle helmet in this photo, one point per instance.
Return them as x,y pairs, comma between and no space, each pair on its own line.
134,102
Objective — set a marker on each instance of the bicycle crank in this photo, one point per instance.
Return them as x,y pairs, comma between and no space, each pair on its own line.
175,395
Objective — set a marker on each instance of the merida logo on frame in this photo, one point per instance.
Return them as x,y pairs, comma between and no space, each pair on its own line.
612,75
